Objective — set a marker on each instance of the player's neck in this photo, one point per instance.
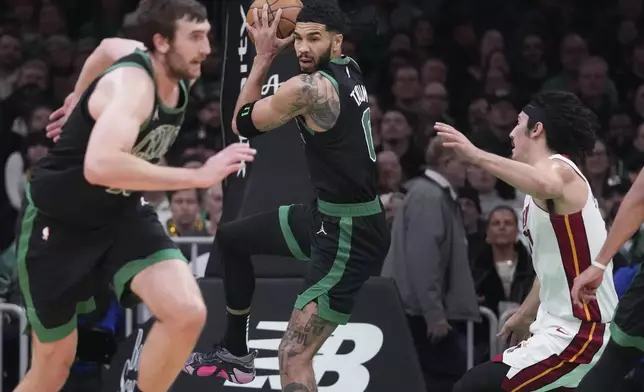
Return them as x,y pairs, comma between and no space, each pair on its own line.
164,80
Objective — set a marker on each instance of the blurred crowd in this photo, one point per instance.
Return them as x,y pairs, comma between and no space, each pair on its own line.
473,64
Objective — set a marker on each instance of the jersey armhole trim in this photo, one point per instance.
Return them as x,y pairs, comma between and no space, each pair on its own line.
332,80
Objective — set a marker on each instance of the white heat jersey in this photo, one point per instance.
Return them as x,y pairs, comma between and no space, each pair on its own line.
562,247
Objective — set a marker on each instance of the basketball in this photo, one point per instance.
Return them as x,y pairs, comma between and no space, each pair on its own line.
290,9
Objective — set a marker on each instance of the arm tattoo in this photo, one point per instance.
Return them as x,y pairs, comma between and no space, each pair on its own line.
321,99
297,387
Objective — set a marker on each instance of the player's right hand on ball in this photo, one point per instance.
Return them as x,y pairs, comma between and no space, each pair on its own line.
229,160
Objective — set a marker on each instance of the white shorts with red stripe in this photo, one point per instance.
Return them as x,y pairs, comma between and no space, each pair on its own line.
554,357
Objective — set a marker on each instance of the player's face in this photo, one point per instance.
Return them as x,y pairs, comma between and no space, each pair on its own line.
520,139
188,49
313,45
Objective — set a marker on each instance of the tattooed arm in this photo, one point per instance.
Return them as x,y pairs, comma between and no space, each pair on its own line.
312,96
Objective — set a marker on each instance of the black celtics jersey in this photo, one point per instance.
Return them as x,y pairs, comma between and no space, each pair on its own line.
342,160
58,186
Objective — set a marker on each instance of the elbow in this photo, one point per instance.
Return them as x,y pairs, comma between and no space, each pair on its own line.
234,126
95,171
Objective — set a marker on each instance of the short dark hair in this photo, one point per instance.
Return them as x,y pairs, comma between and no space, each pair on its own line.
160,17
572,124
324,12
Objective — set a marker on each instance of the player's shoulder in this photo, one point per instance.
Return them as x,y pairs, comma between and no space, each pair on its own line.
310,87
562,168
127,79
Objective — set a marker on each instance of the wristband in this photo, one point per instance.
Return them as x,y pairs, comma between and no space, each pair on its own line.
245,126
598,265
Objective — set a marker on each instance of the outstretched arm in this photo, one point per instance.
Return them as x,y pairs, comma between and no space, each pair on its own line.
543,181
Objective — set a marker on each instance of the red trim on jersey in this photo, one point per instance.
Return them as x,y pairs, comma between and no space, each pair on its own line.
575,255
581,350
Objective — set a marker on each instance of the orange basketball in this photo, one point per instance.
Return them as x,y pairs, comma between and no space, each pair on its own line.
290,9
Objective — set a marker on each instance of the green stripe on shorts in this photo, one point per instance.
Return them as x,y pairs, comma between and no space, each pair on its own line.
287,233
125,274
26,228
625,340
321,289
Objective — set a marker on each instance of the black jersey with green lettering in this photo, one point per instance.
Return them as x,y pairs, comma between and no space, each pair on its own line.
342,160
58,186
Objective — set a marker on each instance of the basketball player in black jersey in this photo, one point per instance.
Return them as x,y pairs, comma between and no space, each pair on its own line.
343,233
85,224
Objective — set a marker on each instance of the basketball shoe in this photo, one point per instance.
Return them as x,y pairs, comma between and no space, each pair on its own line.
223,364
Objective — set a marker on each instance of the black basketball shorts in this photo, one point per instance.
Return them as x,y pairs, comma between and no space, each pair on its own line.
347,244
627,328
60,267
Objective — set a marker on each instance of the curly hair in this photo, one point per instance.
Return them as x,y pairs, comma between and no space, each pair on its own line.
326,12
572,125
160,17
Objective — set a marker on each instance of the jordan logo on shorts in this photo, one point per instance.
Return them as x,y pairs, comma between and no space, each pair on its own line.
321,230
45,234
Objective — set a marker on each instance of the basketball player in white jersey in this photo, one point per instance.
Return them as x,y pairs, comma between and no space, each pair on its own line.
626,346
565,230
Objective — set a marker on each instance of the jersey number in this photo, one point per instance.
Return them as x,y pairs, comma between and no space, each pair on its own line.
366,126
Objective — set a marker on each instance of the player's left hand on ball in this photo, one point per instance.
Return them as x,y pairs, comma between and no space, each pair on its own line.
265,34
59,116
454,139
584,288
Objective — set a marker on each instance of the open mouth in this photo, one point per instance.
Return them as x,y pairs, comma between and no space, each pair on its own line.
306,61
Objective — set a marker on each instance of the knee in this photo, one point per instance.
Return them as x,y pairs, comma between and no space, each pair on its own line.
188,316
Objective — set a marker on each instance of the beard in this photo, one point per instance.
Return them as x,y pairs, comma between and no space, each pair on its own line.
321,63
177,66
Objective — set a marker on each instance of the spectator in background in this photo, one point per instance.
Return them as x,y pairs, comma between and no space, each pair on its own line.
596,168
16,171
473,221
390,175
485,184
392,203
397,134
477,112
10,58
500,120
634,74
433,70
532,69
620,133
186,219
573,51
503,272
213,204
406,88
593,91
429,262
434,107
